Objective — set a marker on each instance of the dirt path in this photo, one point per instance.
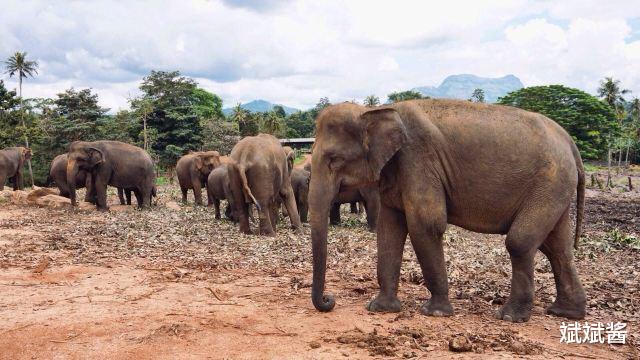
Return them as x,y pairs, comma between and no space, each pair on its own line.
176,284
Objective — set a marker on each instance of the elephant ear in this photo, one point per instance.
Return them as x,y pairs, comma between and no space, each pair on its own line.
384,135
96,156
291,156
198,162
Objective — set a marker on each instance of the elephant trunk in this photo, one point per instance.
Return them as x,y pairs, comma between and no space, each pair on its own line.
72,173
321,194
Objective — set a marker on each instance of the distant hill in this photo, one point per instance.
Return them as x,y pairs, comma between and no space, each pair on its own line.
259,106
462,86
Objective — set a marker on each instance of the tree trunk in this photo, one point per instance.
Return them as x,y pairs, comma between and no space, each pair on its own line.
26,138
146,139
609,166
626,157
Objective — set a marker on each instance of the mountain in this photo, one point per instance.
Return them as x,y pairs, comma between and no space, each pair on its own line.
259,106
462,86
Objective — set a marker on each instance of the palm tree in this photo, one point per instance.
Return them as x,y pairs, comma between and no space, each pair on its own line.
612,94
371,101
23,68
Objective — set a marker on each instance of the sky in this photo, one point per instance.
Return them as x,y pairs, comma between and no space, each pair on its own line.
295,52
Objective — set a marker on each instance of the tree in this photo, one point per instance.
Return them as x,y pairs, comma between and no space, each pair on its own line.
589,121
174,116
477,96
78,114
18,64
404,95
613,95
247,122
279,111
220,135
207,105
300,124
272,124
371,101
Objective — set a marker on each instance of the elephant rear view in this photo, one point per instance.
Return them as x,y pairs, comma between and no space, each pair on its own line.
11,162
259,173
111,163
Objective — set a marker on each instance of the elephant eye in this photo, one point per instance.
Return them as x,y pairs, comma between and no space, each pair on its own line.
335,162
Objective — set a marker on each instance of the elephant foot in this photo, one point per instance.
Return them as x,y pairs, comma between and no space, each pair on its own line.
384,304
103,209
565,310
514,312
437,307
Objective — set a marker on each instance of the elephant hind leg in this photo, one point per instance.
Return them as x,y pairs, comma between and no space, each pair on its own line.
266,224
184,194
527,233
558,248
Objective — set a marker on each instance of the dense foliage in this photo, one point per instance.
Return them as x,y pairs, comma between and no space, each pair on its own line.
590,122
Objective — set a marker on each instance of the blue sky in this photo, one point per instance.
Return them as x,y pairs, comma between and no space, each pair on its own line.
294,52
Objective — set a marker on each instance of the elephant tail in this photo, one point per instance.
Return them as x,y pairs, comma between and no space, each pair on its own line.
245,186
579,196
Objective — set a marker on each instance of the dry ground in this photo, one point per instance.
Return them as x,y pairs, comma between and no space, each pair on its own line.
175,283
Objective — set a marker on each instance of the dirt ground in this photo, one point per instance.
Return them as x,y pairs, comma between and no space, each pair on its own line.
172,282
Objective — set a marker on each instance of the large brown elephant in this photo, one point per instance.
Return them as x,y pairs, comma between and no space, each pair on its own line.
259,174
111,163
11,162
58,174
486,168
193,169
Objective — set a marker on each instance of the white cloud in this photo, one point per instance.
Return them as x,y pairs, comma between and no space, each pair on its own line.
296,52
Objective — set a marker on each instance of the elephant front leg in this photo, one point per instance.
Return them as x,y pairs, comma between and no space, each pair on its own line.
426,228
264,214
121,196
216,204
391,239
197,192
101,194
334,214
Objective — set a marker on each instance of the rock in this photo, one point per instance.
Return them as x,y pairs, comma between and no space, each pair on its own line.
459,343
172,205
38,193
5,196
53,201
83,205
314,344
19,197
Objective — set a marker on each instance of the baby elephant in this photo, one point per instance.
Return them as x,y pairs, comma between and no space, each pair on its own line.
218,188
300,184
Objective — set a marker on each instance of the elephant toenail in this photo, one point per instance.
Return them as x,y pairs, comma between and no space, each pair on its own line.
507,318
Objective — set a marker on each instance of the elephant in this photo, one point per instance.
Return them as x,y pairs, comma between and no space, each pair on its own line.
111,163
58,174
11,161
259,173
486,168
193,169
219,188
300,185
367,196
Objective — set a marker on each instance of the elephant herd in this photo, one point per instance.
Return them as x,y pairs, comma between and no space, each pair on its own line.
414,166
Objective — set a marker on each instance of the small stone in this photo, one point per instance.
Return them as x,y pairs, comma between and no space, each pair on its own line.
314,344
460,343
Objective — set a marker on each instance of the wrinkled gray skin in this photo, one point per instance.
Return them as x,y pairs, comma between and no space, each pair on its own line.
300,185
219,188
192,171
259,174
486,168
58,174
367,195
11,161
111,163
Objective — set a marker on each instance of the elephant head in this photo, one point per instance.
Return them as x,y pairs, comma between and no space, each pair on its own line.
291,156
25,154
206,161
353,144
81,156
